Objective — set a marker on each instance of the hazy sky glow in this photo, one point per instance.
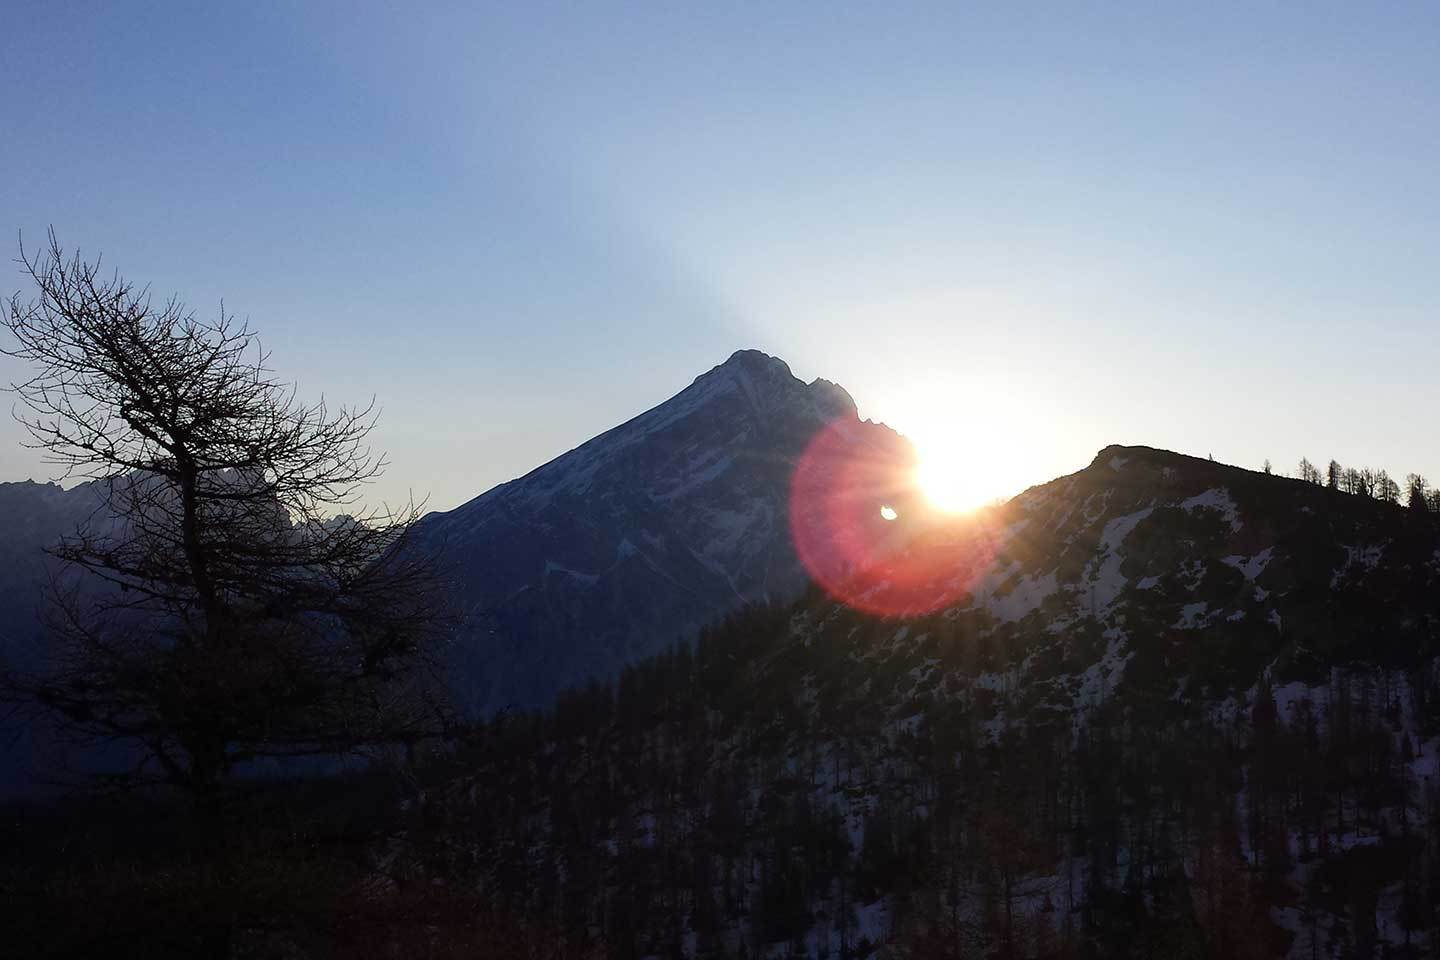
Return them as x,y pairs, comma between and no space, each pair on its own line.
1211,229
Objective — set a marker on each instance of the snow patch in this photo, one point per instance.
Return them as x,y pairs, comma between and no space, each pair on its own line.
1251,567
1192,615
1104,575
587,578
1101,676
1217,499
1023,598
697,473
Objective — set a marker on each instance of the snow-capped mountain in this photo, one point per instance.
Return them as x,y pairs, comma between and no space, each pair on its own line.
610,552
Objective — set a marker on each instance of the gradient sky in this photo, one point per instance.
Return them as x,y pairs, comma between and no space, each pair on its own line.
1029,230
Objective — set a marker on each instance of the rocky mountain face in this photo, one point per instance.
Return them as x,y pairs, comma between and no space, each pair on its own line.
1160,707
1196,578
637,538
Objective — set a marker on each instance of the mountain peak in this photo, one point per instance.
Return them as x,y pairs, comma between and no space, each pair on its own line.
752,359
1116,455
639,535
768,379
833,398
749,369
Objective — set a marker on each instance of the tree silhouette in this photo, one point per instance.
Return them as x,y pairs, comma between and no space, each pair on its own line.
1386,489
228,601
1417,495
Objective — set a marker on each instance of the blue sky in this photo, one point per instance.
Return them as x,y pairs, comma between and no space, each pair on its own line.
1016,230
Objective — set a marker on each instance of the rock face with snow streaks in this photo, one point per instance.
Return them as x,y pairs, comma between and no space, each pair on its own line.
635,539
1155,573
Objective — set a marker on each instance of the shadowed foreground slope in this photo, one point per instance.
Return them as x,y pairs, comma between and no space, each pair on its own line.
1187,710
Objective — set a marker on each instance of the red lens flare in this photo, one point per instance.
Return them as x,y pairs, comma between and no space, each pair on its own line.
863,531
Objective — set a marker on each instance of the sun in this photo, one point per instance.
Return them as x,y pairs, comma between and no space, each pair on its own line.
975,444
955,479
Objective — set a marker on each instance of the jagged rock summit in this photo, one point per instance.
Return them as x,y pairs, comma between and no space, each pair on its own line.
637,537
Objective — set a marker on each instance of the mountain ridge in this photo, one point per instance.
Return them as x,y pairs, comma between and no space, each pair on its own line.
738,372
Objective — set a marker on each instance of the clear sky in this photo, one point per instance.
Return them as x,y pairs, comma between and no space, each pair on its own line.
1028,231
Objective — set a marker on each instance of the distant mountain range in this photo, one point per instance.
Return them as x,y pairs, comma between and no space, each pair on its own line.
36,516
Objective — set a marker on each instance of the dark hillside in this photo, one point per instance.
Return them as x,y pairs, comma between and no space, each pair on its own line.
1186,710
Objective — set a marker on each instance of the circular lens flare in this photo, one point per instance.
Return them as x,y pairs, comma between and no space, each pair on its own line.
859,528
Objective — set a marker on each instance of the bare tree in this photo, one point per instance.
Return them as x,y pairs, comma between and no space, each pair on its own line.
1386,489
1308,472
1417,493
231,600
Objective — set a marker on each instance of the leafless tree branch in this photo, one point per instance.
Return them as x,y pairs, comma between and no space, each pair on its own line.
232,599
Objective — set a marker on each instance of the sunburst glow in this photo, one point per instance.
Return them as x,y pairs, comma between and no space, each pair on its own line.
953,481
973,447
888,512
